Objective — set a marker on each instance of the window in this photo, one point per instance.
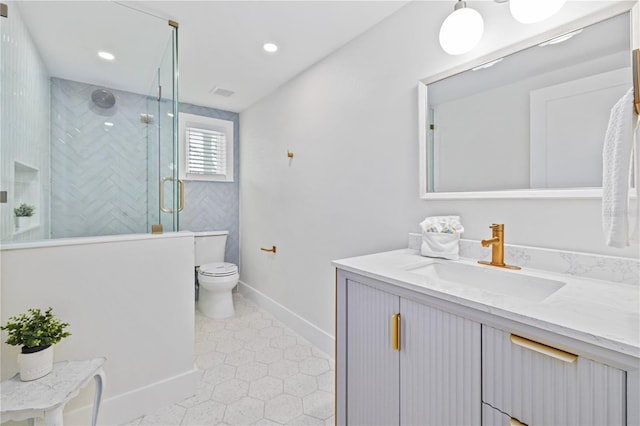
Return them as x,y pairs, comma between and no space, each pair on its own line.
206,148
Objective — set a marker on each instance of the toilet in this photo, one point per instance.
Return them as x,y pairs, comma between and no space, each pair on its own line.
216,278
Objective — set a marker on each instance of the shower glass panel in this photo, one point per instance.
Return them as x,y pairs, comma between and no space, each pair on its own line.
165,189
84,139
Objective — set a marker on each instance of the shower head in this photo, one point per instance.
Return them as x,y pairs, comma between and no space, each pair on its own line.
103,98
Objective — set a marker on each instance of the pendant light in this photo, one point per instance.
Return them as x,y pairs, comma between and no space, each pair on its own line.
532,11
462,30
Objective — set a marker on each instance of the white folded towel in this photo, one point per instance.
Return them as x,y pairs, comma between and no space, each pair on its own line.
617,155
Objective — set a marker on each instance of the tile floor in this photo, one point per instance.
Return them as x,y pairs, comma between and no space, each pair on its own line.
255,371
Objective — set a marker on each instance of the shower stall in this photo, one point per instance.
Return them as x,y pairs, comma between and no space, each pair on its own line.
88,119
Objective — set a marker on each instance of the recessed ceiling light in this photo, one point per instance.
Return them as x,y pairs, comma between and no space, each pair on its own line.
106,55
270,47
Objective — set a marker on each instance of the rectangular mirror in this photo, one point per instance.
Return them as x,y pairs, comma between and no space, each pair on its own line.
529,121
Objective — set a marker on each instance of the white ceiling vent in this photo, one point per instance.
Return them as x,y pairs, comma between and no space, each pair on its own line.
222,92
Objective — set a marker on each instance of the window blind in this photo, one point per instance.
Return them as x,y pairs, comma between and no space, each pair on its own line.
207,152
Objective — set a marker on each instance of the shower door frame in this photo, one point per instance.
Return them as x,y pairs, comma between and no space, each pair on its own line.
162,160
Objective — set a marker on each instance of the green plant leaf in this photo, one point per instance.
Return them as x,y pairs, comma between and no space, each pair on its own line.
34,328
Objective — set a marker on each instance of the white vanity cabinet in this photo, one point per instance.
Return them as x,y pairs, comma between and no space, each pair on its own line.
539,384
456,365
425,373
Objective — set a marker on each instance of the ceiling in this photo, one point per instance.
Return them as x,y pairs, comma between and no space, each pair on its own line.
220,42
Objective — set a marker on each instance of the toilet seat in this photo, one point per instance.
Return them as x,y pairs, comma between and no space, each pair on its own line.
218,269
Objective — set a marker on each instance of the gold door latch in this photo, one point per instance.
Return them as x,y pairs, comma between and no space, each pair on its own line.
271,250
395,332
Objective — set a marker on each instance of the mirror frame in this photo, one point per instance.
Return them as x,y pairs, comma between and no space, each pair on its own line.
423,133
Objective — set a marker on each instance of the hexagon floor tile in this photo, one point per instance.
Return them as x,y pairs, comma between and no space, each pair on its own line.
255,371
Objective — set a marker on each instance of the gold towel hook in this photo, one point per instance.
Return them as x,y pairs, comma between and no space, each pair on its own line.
289,154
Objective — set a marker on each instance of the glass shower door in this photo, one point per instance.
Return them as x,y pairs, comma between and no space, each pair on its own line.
166,191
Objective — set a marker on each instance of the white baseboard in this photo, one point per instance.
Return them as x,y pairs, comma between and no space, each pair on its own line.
316,336
123,408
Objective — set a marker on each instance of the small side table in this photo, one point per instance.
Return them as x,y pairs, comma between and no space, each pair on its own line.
47,396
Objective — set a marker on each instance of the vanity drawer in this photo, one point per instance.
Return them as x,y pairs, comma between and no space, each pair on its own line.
493,417
541,385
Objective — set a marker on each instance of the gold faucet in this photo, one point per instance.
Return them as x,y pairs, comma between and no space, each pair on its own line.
497,248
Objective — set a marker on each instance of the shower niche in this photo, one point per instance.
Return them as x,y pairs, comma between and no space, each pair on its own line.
26,189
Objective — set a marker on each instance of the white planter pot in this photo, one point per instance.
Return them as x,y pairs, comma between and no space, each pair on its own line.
35,365
22,221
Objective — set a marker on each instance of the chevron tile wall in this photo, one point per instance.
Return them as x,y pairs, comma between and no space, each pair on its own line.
211,206
98,162
105,177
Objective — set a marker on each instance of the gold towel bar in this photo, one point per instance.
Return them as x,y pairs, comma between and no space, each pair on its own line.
181,190
543,349
635,60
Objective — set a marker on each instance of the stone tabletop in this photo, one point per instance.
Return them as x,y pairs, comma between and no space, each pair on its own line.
56,388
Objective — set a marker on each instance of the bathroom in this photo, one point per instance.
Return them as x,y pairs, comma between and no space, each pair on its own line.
338,117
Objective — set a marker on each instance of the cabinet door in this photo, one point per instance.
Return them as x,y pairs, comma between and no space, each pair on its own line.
439,367
372,363
540,386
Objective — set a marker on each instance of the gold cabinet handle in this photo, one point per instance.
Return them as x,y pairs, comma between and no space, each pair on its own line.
515,422
543,349
271,250
395,332
635,60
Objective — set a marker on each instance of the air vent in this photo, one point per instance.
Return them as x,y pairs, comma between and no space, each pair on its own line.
222,92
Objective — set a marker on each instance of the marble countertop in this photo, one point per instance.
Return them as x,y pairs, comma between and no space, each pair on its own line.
602,313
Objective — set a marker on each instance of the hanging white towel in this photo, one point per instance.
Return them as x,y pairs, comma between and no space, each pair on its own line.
617,157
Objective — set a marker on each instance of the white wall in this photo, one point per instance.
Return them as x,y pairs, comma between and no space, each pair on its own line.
135,310
352,187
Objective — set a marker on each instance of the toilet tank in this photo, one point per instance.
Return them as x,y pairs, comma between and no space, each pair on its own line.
210,246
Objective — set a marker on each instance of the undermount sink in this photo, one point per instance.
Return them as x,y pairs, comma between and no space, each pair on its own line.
490,279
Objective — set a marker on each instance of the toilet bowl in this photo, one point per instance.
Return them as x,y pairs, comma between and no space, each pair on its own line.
216,281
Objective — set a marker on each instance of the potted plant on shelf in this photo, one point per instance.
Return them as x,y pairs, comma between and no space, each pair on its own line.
36,333
23,214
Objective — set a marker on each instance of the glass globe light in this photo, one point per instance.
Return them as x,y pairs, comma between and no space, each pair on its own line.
462,30
532,11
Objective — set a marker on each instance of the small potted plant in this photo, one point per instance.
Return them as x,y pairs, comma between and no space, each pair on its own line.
36,333
23,212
